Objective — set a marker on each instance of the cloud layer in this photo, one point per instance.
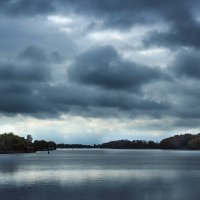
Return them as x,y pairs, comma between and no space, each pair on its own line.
101,59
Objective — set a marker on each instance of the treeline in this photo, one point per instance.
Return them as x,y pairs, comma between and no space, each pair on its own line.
42,145
119,144
126,144
79,146
185,141
11,143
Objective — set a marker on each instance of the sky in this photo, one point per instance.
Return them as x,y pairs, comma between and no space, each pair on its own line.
90,71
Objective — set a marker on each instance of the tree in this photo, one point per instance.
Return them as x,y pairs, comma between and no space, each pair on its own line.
29,139
194,143
13,143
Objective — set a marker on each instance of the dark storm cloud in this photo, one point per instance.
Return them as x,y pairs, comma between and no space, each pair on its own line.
182,33
41,100
21,80
184,27
125,13
179,15
21,96
100,81
183,92
29,66
16,103
103,66
23,72
122,13
86,101
27,88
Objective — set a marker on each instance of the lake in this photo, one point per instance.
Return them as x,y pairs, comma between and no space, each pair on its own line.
101,175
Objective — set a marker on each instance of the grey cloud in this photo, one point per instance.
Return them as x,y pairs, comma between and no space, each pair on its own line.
33,53
103,66
187,100
23,72
20,83
80,99
184,28
185,123
124,14
23,7
83,96
45,100
26,86
28,90
30,65
25,33
119,13
183,96
183,31
185,35
187,64
56,57
20,97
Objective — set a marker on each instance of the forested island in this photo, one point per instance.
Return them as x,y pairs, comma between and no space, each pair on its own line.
11,143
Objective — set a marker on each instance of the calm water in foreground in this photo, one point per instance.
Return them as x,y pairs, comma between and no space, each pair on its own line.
101,174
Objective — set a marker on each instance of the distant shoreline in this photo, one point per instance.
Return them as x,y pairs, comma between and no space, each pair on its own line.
22,152
16,152
11,144
60,149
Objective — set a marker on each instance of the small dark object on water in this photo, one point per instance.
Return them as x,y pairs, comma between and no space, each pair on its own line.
48,152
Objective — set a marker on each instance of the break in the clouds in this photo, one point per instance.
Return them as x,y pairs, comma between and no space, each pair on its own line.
73,70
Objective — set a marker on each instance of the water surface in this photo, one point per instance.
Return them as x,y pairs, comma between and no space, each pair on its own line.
101,174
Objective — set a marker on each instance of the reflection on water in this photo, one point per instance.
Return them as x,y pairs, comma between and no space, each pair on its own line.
101,174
